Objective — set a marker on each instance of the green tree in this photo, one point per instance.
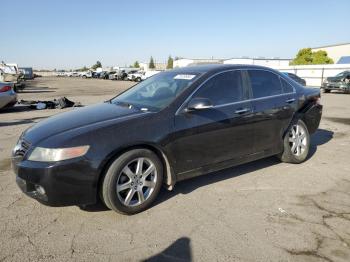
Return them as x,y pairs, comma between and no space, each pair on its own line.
305,56
321,57
136,64
170,64
151,63
97,65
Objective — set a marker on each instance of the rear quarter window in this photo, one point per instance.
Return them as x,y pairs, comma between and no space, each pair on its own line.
286,87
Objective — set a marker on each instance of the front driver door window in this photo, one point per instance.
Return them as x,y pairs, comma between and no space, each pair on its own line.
219,134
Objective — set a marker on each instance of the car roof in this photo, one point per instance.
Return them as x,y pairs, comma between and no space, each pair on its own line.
208,68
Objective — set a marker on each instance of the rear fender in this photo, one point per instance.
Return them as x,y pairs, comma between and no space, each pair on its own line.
310,115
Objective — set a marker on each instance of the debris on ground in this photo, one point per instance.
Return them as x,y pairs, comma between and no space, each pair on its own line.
59,103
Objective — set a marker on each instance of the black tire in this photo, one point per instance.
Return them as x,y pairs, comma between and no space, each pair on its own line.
326,91
85,77
113,174
287,155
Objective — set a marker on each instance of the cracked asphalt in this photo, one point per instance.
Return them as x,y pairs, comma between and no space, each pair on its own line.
261,211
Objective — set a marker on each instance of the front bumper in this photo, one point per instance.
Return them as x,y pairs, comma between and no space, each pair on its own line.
336,86
65,183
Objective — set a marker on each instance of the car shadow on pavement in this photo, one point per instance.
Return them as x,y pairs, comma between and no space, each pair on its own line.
187,186
320,137
36,91
180,250
16,109
21,122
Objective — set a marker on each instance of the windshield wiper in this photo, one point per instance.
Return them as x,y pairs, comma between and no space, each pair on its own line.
126,104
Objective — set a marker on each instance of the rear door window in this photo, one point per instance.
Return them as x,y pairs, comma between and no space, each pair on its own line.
287,88
264,83
223,88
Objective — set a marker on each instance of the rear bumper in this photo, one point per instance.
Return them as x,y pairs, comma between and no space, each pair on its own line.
65,183
336,86
8,99
312,117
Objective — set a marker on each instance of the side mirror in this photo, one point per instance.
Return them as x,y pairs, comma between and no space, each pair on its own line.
199,104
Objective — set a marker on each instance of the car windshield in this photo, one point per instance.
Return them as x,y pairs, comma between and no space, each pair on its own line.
156,92
342,73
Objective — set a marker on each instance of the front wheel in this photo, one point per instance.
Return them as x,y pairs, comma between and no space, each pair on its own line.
296,144
132,181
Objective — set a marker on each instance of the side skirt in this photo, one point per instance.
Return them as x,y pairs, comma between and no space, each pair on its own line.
226,164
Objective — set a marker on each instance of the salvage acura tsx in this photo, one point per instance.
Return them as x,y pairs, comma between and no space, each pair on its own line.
175,125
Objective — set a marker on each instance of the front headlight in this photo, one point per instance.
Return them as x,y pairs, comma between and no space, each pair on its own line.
41,154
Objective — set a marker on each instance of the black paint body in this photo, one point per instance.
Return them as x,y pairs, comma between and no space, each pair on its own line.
188,143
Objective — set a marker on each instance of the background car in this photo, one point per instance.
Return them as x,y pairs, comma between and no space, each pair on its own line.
8,96
27,73
96,74
339,82
122,73
137,76
104,75
127,74
296,78
87,74
109,75
72,74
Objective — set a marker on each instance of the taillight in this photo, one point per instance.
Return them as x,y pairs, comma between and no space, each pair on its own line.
5,89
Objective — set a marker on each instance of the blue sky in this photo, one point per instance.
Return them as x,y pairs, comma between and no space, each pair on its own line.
71,34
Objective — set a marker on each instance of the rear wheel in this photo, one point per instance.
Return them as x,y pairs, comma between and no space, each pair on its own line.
296,144
326,91
132,181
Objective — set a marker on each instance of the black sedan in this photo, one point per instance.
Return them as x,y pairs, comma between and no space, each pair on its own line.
175,125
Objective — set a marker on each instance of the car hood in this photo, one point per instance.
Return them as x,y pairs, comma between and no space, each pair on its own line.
334,79
76,118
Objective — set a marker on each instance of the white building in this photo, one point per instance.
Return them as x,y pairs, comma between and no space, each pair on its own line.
270,62
340,53
159,66
182,62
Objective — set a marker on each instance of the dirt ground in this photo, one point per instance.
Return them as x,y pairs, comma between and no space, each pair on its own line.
261,211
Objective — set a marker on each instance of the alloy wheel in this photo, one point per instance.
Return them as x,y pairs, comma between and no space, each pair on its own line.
297,140
136,182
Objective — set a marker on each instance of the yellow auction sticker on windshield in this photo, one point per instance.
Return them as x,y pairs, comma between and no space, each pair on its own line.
184,77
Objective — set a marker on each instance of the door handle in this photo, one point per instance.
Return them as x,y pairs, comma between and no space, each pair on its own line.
242,110
290,100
